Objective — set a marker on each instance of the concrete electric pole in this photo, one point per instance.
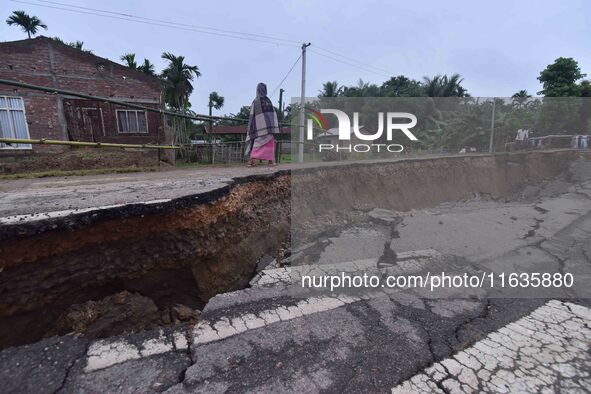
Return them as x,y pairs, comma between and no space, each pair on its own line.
302,105
281,100
492,128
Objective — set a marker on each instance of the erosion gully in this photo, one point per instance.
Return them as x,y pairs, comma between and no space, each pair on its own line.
140,266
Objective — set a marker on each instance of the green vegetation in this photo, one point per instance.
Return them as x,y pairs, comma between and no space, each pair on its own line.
215,101
95,171
147,67
399,86
450,119
560,78
129,60
178,77
75,44
29,24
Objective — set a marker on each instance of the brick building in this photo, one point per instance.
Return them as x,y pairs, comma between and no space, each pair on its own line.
34,114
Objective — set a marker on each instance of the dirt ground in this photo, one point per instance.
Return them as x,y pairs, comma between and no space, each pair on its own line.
77,159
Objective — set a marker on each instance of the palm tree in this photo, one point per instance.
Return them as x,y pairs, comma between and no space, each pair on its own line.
177,77
444,86
147,67
29,24
215,101
330,89
129,58
520,98
77,44
363,89
521,94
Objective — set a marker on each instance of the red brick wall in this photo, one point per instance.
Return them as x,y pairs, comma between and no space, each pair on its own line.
108,127
43,61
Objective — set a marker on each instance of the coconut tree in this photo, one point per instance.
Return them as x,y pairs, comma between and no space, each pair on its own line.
129,58
363,89
147,67
520,98
29,24
444,86
215,101
330,89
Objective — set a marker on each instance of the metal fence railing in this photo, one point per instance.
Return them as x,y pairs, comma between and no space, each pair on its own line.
214,153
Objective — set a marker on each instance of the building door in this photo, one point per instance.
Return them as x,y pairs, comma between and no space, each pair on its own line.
85,123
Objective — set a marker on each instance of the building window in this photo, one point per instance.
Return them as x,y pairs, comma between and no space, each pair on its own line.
130,121
13,123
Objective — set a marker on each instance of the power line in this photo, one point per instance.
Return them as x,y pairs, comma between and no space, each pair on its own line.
163,24
350,64
205,30
353,60
168,22
286,75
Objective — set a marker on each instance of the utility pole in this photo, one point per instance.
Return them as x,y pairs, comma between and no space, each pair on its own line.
302,105
492,128
281,100
211,135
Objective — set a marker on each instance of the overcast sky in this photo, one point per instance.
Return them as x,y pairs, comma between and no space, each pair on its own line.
499,47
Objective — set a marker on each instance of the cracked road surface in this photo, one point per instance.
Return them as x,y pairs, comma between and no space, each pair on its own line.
276,336
25,199
545,351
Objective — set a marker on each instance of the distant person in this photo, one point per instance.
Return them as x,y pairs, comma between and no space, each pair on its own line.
580,142
574,142
521,137
262,125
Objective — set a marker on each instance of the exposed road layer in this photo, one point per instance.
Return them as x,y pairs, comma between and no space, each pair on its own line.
530,212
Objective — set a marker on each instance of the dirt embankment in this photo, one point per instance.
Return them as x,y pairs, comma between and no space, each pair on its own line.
189,249
326,197
12,163
182,252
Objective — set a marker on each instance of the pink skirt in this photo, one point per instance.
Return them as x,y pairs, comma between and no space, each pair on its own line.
265,152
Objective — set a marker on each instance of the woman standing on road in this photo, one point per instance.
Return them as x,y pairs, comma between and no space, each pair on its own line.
262,125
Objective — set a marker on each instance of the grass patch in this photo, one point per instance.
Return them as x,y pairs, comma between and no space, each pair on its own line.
96,171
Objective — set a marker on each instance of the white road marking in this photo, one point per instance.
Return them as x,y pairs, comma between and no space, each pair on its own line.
407,262
104,353
206,331
547,350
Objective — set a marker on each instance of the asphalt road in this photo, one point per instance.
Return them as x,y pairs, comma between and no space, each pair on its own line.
29,197
277,336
